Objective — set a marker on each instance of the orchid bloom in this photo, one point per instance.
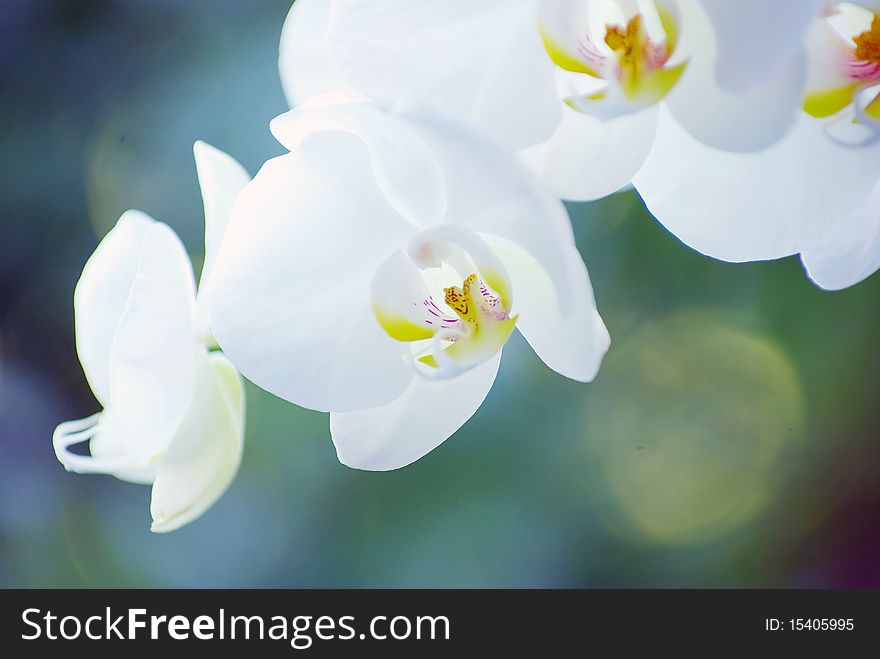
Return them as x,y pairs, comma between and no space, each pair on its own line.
576,85
817,191
173,411
844,49
378,269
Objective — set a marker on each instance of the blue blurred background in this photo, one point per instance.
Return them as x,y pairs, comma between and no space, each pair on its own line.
730,439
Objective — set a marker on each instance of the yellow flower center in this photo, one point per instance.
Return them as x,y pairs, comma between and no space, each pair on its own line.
472,303
627,43
485,323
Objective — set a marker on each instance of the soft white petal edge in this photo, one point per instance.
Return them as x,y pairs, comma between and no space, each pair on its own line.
587,158
853,254
305,62
423,417
404,168
755,206
151,363
101,294
221,178
205,453
573,344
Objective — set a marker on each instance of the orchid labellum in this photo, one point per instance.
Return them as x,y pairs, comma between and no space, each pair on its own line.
173,411
378,269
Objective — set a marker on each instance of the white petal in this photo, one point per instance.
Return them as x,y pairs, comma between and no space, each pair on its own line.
745,120
433,170
853,254
483,62
756,38
826,48
755,206
404,168
566,25
221,178
399,294
205,453
306,65
587,158
151,365
422,418
492,193
572,343
101,294
291,303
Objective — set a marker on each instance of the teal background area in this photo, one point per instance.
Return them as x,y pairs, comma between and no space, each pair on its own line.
730,439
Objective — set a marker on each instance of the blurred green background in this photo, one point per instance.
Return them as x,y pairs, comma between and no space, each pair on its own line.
730,439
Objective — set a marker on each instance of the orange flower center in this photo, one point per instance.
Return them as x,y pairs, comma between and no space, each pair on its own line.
868,43
627,43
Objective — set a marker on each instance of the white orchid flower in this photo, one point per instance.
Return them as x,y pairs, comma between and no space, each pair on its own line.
844,50
815,193
173,412
577,85
378,269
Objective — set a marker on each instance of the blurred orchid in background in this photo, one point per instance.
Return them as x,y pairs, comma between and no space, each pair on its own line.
704,104
577,85
403,251
173,411
817,191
